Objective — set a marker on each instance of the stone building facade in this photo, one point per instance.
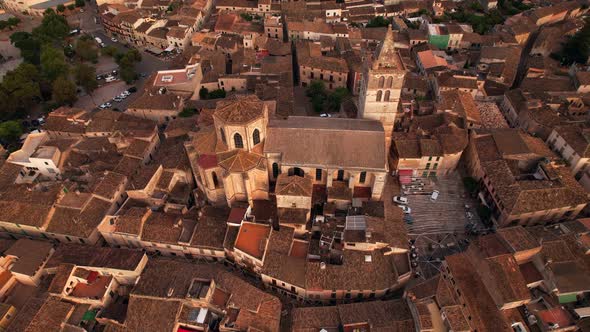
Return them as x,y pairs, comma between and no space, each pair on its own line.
381,87
226,157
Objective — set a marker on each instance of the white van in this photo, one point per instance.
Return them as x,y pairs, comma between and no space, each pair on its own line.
434,195
109,79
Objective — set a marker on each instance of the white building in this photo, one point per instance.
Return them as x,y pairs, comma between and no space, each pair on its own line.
38,158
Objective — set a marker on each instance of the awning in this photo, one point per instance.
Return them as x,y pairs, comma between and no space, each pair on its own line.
89,315
405,172
583,312
405,175
155,50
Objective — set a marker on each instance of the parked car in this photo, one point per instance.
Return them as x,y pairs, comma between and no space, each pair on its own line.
400,199
434,195
110,79
125,93
117,99
132,89
114,40
406,209
325,115
114,72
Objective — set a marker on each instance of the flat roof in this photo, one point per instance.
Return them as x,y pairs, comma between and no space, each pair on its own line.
252,239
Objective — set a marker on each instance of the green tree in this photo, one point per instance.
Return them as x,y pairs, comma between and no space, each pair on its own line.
64,91
378,21
127,63
335,99
80,3
86,50
247,17
61,8
216,94
577,47
13,21
316,88
133,55
203,93
187,112
53,63
10,131
19,90
29,47
128,74
109,50
316,91
53,27
317,102
86,77
71,7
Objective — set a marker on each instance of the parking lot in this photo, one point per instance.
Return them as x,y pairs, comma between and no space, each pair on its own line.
104,94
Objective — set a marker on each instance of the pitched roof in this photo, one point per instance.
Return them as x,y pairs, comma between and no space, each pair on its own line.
238,160
239,109
323,142
293,185
485,314
577,137
106,257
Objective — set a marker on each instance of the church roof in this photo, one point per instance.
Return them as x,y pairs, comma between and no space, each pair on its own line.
238,160
293,185
239,109
327,142
206,142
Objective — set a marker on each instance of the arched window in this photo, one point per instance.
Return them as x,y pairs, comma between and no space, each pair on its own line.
215,180
386,96
379,94
296,171
275,170
363,177
389,83
256,136
299,172
222,135
381,82
238,142
340,176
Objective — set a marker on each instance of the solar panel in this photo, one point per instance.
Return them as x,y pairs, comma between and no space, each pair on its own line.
356,223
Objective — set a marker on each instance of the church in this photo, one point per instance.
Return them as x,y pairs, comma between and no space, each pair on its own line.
241,155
